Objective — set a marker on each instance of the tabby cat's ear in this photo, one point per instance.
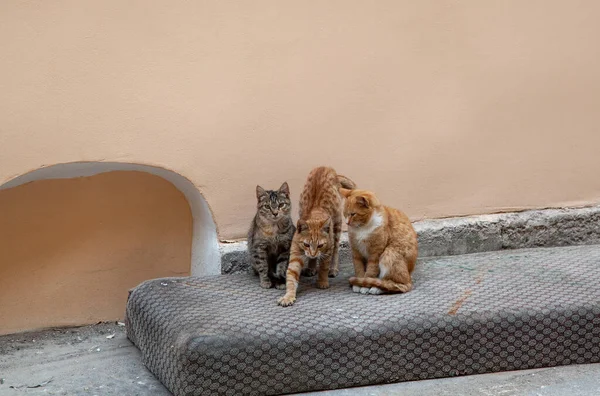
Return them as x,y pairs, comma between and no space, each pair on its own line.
325,225
363,201
285,189
345,192
259,192
301,226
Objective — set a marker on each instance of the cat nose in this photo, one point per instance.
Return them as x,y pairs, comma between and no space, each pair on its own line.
275,213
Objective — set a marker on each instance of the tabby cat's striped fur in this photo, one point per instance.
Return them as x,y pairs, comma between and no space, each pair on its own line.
270,236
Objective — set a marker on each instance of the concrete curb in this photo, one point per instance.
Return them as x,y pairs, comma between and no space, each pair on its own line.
463,235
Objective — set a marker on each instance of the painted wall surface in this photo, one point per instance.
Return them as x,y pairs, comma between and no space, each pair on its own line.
442,107
70,249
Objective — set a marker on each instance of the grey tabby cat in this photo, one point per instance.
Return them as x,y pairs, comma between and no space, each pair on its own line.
270,236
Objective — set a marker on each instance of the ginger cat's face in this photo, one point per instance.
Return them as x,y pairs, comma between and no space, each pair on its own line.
314,237
359,206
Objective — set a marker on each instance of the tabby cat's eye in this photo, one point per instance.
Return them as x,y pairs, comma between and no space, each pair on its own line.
281,205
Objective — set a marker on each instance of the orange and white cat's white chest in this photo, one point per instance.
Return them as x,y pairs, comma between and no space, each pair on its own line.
360,236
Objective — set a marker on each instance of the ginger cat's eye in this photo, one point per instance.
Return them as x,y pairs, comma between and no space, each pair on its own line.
306,244
320,245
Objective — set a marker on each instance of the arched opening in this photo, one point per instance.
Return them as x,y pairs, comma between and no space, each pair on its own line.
77,236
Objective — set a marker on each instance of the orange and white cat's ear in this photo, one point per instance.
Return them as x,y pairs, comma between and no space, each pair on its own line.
259,192
345,192
367,200
325,225
363,201
285,189
301,226
373,201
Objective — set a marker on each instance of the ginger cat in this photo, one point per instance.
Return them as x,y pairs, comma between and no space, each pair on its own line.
317,236
384,244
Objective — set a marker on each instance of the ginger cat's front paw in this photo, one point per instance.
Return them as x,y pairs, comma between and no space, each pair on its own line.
333,272
266,284
280,286
323,284
286,301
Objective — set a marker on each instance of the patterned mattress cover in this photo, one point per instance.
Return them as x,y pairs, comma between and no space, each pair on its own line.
469,314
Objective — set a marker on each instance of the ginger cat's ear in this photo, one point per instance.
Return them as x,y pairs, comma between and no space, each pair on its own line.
285,189
301,226
326,224
259,192
345,192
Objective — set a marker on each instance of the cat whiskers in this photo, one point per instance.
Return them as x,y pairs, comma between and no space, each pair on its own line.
322,255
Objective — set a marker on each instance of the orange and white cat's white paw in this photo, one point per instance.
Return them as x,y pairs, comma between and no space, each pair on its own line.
356,289
364,290
286,301
375,290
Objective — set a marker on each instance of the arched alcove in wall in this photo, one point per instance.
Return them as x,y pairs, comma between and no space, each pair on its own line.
76,237
205,260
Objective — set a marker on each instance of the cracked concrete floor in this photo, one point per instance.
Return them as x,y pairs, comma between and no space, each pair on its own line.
91,361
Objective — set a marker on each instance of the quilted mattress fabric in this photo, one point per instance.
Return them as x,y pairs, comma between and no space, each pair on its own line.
467,314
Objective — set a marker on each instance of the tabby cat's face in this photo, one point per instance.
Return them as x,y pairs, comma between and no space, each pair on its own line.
314,237
273,205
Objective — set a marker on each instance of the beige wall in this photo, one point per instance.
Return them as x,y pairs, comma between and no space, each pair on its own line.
444,108
70,249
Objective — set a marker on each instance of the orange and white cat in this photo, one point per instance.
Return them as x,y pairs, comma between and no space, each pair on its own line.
384,244
317,238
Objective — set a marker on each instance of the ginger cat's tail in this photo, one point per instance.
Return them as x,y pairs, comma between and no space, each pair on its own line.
385,285
346,183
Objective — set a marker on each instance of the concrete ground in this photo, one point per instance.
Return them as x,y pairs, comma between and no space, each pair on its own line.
77,361
99,360
575,380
